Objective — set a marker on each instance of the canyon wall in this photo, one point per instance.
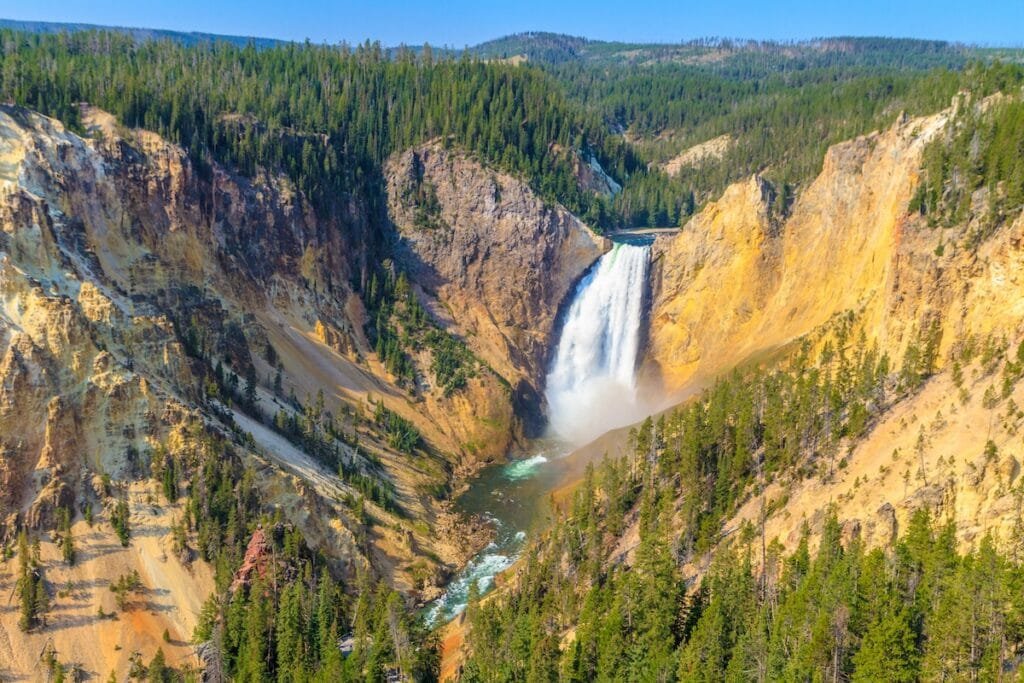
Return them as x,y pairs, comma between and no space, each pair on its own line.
746,279
490,257
743,279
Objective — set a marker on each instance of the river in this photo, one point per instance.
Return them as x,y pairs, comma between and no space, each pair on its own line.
590,389
514,496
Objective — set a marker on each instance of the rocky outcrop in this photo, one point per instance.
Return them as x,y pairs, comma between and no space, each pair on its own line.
709,150
710,283
492,258
258,557
592,177
741,279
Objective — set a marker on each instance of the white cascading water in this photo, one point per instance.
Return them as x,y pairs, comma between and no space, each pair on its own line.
591,387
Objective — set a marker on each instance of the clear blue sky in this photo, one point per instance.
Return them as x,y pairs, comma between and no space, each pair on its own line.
462,22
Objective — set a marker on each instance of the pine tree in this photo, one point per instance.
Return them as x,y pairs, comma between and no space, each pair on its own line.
41,602
119,519
65,538
26,586
158,671
888,651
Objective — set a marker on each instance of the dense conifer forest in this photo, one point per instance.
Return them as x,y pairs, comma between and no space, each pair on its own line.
326,116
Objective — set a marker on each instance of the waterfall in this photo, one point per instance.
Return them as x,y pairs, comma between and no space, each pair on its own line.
591,386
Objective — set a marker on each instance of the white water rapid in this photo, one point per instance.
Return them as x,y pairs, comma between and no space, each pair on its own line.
591,387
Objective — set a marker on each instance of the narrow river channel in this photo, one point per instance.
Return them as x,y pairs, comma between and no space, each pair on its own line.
515,497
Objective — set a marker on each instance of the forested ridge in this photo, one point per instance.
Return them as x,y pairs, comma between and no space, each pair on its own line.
780,123
727,55
328,116
782,103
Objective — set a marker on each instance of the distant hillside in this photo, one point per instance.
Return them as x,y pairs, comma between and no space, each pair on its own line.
547,48
140,34
552,48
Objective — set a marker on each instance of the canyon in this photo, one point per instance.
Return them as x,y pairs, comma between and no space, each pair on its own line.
130,277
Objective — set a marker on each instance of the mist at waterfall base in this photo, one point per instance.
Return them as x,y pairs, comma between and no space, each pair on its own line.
591,387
